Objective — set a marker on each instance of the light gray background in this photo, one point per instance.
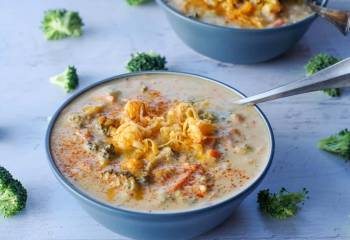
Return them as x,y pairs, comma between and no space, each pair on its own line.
113,31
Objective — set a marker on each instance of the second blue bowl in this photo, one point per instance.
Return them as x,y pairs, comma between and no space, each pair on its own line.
236,45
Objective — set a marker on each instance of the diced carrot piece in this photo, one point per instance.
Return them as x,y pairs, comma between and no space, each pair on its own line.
279,22
214,153
183,179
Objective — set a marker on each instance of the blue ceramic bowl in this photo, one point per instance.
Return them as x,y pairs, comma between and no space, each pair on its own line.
236,45
141,225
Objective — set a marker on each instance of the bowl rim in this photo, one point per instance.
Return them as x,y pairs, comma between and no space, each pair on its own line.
82,194
181,15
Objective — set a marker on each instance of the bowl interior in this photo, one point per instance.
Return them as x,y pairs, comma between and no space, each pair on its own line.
149,75
180,14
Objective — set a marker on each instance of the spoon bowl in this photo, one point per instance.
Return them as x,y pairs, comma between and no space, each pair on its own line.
339,18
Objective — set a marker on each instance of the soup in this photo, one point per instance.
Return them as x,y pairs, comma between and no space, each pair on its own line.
244,13
160,142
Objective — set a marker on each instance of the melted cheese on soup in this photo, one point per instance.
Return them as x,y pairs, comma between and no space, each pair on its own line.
160,143
244,13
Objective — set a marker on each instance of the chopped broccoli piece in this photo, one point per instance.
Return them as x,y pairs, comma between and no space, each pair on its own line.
103,150
208,115
319,62
92,146
146,62
77,119
107,151
332,92
136,2
60,23
281,205
337,144
13,196
68,80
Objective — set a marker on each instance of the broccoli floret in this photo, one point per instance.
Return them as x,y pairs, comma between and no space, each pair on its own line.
68,80
60,23
13,196
136,2
146,62
319,62
281,205
332,92
338,144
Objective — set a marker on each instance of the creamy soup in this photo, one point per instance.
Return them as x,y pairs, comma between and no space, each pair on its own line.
244,13
160,142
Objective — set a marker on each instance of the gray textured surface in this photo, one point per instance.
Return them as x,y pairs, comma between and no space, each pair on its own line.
113,31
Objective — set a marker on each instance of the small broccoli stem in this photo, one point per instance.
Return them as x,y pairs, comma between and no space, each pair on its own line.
68,80
4,197
59,80
8,203
58,26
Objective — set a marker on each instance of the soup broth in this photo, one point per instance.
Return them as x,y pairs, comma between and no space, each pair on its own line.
160,142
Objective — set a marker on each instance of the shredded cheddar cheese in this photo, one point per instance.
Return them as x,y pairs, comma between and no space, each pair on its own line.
141,136
243,13
146,132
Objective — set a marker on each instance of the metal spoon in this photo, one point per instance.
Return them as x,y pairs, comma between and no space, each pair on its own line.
339,18
336,76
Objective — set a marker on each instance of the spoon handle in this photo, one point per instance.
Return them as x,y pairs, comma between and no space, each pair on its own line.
336,76
339,18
